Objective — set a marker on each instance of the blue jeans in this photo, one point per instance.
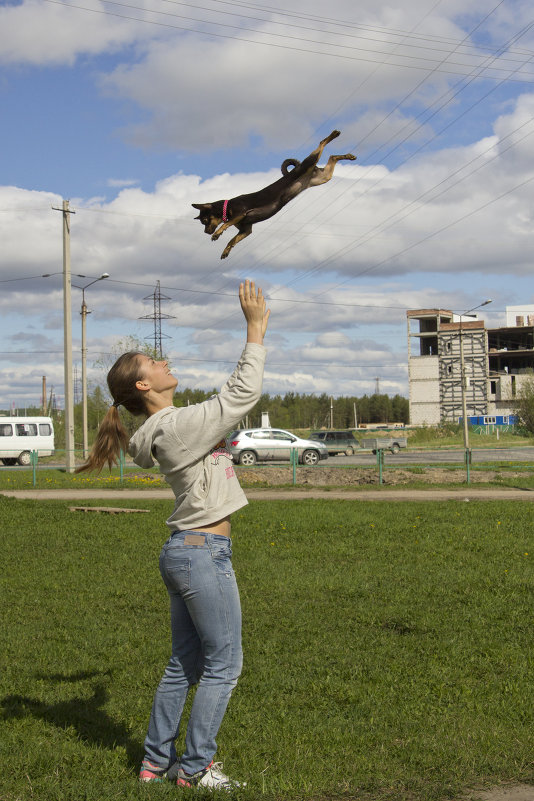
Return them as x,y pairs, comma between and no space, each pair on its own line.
206,647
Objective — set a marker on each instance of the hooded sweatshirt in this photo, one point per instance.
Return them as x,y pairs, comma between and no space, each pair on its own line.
189,444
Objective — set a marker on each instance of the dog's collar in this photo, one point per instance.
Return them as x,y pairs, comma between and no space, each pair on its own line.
225,206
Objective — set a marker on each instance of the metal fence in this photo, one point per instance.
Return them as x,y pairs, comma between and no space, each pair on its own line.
124,466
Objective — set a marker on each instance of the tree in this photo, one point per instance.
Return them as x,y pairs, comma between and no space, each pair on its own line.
525,405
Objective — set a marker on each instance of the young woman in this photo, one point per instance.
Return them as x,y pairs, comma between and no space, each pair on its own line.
195,562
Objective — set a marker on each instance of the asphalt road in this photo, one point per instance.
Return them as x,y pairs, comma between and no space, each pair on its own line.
478,455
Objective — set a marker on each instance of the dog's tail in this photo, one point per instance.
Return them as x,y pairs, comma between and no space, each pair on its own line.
289,163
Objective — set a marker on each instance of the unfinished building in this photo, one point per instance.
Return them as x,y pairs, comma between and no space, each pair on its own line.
495,363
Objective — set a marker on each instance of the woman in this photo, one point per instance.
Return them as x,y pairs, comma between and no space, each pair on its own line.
195,562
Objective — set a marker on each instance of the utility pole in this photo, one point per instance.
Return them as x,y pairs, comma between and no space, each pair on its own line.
67,330
84,312
67,339
331,412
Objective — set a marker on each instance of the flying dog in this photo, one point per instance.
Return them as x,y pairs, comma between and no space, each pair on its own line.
245,210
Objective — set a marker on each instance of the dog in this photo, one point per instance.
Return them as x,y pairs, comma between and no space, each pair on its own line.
245,210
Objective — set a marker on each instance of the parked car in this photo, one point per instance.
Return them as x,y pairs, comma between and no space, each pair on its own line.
273,444
337,441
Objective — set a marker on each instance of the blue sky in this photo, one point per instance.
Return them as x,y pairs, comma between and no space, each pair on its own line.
133,121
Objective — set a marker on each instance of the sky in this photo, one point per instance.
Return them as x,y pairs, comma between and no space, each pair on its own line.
132,111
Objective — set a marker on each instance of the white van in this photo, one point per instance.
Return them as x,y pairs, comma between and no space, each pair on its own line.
19,436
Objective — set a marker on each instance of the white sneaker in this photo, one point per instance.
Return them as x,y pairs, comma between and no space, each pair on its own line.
211,778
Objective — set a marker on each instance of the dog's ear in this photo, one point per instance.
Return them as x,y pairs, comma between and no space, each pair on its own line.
201,206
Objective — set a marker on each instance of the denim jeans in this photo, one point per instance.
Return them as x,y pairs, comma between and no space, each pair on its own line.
206,647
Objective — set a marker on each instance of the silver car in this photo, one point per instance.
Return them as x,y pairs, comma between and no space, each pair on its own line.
268,444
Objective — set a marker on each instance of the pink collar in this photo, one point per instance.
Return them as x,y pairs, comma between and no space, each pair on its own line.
225,206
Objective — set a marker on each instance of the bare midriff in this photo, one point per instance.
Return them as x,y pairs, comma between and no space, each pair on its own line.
221,527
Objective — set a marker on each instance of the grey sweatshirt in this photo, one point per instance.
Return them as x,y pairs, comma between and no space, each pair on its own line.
189,445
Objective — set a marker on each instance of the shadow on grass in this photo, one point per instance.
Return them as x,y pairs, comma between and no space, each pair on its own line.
86,715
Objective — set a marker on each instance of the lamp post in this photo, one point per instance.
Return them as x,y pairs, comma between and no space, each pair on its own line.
84,312
467,313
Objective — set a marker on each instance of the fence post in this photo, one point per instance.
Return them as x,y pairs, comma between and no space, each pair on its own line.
467,458
121,465
34,456
294,460
380,463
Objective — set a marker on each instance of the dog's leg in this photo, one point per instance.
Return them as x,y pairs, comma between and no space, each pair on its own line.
237,238
310,162
323,174
322,144
222,228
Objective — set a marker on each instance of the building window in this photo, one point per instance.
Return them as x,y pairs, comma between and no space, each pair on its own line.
490,421
493,387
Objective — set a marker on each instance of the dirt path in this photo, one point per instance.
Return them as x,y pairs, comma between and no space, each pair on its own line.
273,494
516,792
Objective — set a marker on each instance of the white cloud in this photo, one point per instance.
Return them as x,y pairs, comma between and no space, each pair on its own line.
40,33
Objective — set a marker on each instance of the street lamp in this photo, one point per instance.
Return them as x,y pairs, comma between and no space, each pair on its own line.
84,312
467,313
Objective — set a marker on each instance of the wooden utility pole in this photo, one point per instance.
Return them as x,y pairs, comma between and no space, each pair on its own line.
67,340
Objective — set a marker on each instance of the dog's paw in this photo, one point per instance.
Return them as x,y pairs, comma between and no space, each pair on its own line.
350,157
224,254
214,237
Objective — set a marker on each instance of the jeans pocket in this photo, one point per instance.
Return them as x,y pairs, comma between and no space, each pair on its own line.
176,570
222,559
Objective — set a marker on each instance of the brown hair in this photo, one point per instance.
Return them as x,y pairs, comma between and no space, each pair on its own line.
112,436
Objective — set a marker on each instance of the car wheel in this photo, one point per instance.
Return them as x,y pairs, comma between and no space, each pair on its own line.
247,458
310,457
9,461
349,451
395,448
25,458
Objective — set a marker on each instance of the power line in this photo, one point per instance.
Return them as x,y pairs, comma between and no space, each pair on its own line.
528,80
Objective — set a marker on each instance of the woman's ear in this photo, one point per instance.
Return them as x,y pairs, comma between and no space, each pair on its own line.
144,386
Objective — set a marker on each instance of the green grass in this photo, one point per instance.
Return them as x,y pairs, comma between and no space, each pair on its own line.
388,649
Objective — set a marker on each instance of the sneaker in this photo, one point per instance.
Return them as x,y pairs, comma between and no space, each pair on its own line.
150,772
211,778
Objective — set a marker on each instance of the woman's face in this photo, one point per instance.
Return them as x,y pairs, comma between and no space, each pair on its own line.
156,374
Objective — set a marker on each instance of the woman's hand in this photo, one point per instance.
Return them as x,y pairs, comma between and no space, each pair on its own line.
253,305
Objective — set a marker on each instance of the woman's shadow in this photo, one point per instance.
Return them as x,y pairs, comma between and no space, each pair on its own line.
86,715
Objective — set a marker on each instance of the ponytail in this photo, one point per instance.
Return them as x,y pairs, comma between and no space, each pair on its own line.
112,437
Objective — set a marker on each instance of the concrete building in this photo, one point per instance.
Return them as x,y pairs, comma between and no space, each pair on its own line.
496,362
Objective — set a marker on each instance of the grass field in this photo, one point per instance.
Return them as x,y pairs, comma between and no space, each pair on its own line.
388,650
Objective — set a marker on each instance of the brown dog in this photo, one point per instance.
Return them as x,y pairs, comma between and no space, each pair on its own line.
245,210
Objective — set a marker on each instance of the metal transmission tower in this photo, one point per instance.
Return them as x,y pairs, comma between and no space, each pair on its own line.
157,316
